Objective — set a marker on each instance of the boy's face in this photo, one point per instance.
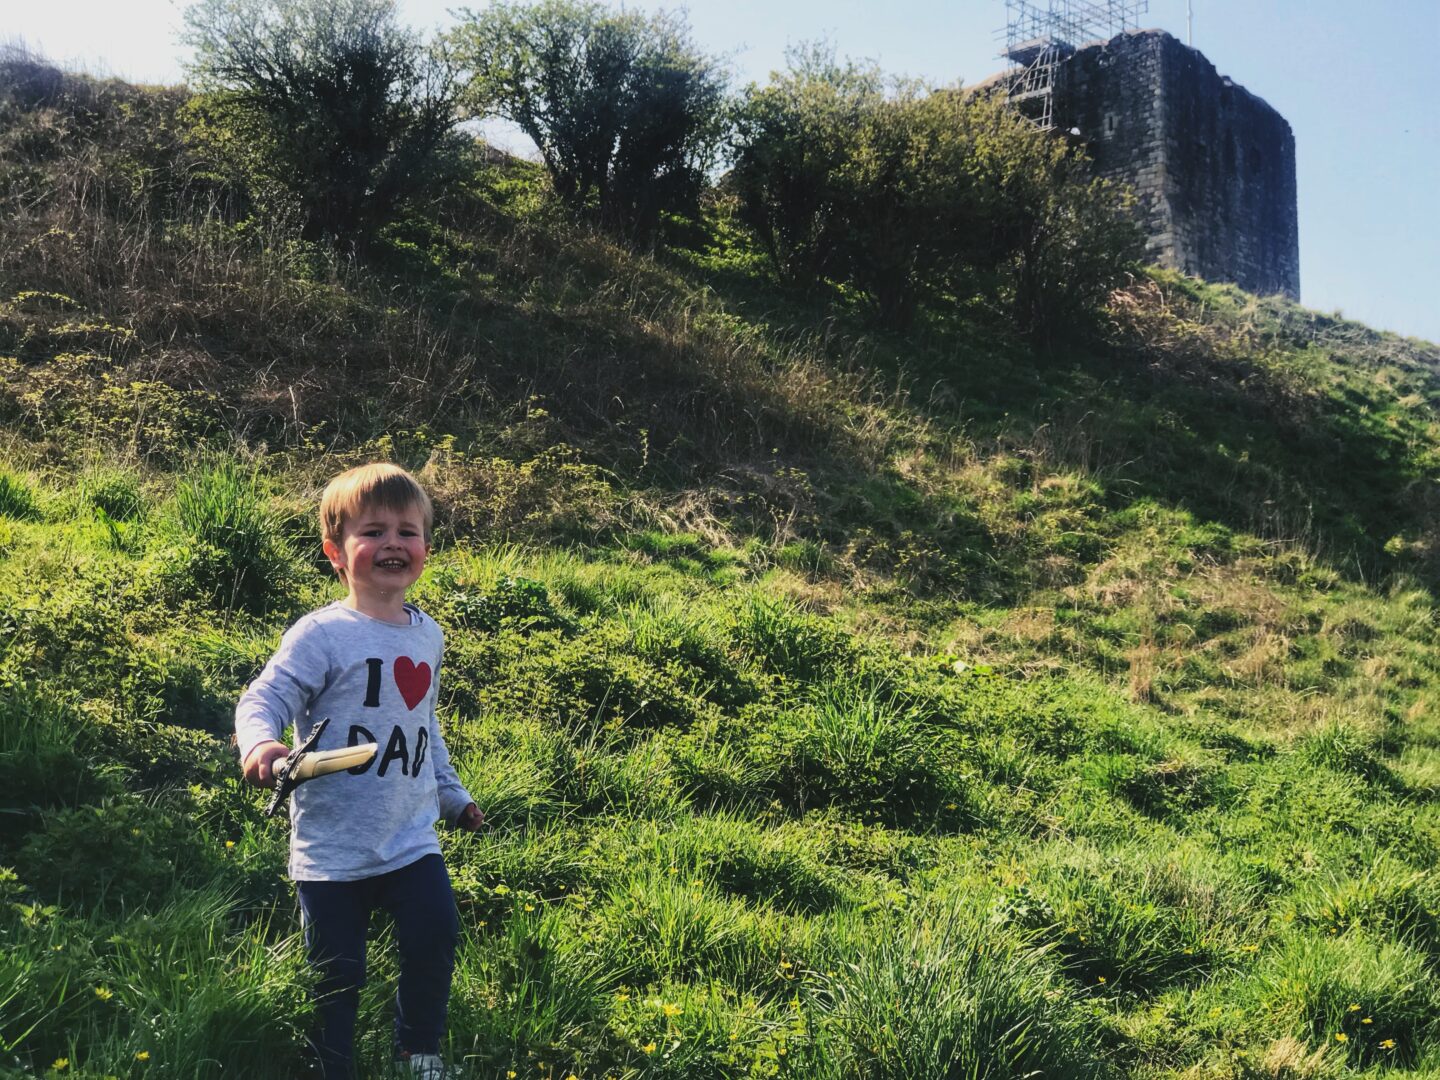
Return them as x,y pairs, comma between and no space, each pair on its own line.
381,552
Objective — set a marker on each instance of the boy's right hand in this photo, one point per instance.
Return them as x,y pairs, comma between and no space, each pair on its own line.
257,766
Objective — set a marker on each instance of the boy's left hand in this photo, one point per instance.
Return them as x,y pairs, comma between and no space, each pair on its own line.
471,818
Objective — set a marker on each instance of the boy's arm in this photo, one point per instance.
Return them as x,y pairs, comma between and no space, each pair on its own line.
298,671
456,805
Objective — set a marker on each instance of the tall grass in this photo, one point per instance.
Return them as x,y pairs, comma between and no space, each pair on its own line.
180,991
944,995
239,558
17,497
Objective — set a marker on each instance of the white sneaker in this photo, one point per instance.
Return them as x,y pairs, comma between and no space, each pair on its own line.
427,1067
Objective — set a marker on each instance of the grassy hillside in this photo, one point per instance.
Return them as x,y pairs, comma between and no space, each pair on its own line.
844,705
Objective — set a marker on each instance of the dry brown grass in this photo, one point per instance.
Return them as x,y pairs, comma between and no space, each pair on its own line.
1143,660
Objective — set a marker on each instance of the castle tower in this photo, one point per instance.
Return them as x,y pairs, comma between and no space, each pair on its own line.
1212,164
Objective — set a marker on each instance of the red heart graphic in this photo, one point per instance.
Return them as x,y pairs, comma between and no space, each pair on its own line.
413,680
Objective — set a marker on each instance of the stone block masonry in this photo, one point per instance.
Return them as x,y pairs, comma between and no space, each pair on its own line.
1213,165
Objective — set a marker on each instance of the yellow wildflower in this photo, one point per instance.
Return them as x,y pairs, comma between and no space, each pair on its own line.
143,1055
648,1048
510,1074
104,993
61,1064
1100,979
670,1010
1388,1044
1353,1008
622,996
1367,1020
529,907
1340,1036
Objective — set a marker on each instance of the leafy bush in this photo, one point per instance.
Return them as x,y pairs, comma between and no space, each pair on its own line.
790,142
907,192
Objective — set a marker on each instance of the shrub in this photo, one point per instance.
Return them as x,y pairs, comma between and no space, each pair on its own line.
791,140
906,193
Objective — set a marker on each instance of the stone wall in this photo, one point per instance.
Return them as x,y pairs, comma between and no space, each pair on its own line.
1213,165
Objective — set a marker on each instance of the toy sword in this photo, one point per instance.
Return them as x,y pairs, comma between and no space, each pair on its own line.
307,763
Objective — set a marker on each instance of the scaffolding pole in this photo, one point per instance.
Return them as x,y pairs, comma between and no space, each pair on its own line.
1039,36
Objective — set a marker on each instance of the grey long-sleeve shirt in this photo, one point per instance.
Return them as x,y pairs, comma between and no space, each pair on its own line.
377,681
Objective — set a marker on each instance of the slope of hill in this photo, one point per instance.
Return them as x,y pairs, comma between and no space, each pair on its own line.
843,704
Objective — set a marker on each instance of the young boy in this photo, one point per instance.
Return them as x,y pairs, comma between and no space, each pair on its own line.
365,838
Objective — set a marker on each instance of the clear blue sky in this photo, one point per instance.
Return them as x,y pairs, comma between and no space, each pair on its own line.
1356,82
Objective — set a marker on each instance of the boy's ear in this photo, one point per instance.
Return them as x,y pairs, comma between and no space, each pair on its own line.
334,553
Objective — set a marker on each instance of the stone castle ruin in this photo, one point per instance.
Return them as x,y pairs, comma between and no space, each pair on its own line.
1212,165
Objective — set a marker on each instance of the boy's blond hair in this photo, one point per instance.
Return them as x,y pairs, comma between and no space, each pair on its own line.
382,485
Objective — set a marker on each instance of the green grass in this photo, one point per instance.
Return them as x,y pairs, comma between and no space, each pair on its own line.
843,705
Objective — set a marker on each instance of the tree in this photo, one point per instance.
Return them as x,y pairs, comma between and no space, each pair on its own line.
625,111
346,108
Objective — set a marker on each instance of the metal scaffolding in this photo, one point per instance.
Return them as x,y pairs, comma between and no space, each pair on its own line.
1038,36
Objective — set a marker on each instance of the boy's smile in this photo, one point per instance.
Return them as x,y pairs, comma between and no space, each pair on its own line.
381,554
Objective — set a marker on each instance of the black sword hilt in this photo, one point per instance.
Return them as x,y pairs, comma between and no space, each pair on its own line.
284,784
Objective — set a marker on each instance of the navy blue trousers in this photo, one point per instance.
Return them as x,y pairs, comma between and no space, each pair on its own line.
336,918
